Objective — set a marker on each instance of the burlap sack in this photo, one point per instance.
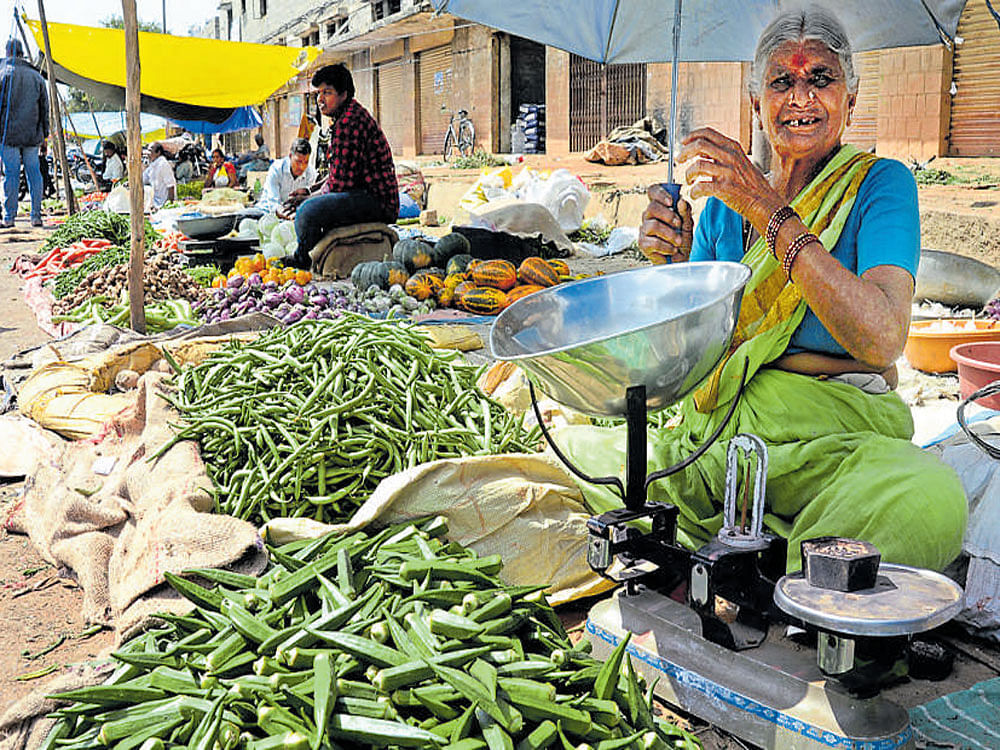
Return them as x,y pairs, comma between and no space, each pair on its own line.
120,531
24,725
522,506
335,256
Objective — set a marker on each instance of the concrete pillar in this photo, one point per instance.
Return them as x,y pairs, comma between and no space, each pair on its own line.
556,101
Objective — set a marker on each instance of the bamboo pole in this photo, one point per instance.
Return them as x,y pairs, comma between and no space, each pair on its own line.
55,114
137,313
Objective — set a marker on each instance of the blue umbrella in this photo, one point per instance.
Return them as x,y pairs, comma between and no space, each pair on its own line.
629,31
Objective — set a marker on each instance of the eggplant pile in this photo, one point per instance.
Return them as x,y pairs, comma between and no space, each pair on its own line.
289,302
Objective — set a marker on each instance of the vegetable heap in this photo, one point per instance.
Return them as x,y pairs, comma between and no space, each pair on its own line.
289,302
163,277
306,420
59,259
392,640
160,316
70,279
992,309
96,225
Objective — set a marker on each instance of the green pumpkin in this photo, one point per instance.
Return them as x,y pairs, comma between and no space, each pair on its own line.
449,246
414,254
458,263
370,272
396,273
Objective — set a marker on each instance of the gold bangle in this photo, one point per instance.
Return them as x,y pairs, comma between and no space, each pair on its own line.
794,248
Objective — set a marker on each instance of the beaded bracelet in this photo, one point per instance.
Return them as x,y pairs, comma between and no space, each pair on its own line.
794,247
778,218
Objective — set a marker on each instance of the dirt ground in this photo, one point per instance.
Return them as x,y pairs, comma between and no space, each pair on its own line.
40,609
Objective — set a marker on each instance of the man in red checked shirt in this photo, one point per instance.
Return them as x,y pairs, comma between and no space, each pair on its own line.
361,186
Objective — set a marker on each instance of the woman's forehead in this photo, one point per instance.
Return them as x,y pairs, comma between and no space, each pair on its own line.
803,56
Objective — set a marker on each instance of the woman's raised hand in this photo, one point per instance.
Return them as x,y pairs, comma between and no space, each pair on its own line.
666,231
720,169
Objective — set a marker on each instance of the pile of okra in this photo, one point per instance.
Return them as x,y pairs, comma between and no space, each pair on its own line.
306,420
398,639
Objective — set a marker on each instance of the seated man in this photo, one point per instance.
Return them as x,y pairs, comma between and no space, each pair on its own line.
254,161
361,186
160,176
289,177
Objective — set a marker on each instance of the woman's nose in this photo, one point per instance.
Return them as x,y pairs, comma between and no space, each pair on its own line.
802,92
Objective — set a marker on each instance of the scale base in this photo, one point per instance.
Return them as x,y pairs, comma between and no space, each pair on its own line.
773,696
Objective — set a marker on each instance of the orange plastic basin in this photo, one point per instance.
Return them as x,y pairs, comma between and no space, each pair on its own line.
978,366
930,350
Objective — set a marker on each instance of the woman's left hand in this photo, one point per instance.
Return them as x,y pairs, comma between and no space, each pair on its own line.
719,168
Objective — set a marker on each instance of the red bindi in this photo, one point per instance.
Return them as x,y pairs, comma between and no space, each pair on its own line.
798,60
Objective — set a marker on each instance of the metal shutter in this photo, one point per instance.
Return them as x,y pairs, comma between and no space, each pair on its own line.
863,131
391,104
434,67
601,98
975,107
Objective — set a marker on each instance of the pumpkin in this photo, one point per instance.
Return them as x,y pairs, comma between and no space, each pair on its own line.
434,279
473,263
559,266
461,289
537,271
370,273
452,280
419,287
448,246
484,301
522,290
499,274
458,263
414,254
446,297
396,273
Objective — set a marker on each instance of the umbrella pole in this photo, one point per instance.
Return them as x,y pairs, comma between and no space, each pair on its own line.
137,313
672,127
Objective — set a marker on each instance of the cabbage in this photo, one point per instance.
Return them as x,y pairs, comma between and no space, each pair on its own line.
284,233
266,225
273,250
248,228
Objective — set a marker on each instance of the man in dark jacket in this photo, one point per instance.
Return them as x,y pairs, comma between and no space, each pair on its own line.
24,124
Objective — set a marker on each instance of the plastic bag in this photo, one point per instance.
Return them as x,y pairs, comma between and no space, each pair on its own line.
491,185
284,233
248,228
266,225
563,194
272,250
118,200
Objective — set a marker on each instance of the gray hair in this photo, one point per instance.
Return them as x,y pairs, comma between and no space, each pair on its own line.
812,22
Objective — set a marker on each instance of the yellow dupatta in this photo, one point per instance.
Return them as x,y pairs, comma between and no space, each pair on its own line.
772,305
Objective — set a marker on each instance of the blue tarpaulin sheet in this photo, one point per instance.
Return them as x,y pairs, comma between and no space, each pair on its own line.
243,118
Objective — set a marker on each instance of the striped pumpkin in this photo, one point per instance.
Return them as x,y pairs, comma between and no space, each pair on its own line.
537,271
522,290
498,274
559,266
484,301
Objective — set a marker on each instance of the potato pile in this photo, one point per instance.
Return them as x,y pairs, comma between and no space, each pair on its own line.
164,278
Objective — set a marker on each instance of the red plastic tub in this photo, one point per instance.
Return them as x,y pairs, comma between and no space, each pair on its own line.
978,366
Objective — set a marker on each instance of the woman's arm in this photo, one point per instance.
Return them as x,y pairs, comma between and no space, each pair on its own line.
868,315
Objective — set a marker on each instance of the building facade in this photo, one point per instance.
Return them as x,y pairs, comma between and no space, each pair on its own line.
413,70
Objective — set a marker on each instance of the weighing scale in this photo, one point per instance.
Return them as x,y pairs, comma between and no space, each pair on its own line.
622,344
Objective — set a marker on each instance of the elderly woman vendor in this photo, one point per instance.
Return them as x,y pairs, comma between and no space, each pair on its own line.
832,236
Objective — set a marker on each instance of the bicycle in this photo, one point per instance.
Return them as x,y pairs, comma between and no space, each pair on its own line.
461,136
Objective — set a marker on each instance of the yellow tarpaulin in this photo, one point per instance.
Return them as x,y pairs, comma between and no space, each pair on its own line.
201,72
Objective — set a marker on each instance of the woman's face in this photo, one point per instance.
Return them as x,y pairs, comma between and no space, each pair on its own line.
217,159
804,104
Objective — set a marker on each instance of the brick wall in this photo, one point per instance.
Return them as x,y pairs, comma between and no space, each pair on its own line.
710,95
913,115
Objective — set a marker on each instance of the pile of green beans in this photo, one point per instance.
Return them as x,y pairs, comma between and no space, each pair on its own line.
306,420
399,639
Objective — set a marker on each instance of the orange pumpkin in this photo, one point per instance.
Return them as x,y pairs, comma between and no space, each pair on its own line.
498,274
484,301
536,271
522,290
559,266
419,287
